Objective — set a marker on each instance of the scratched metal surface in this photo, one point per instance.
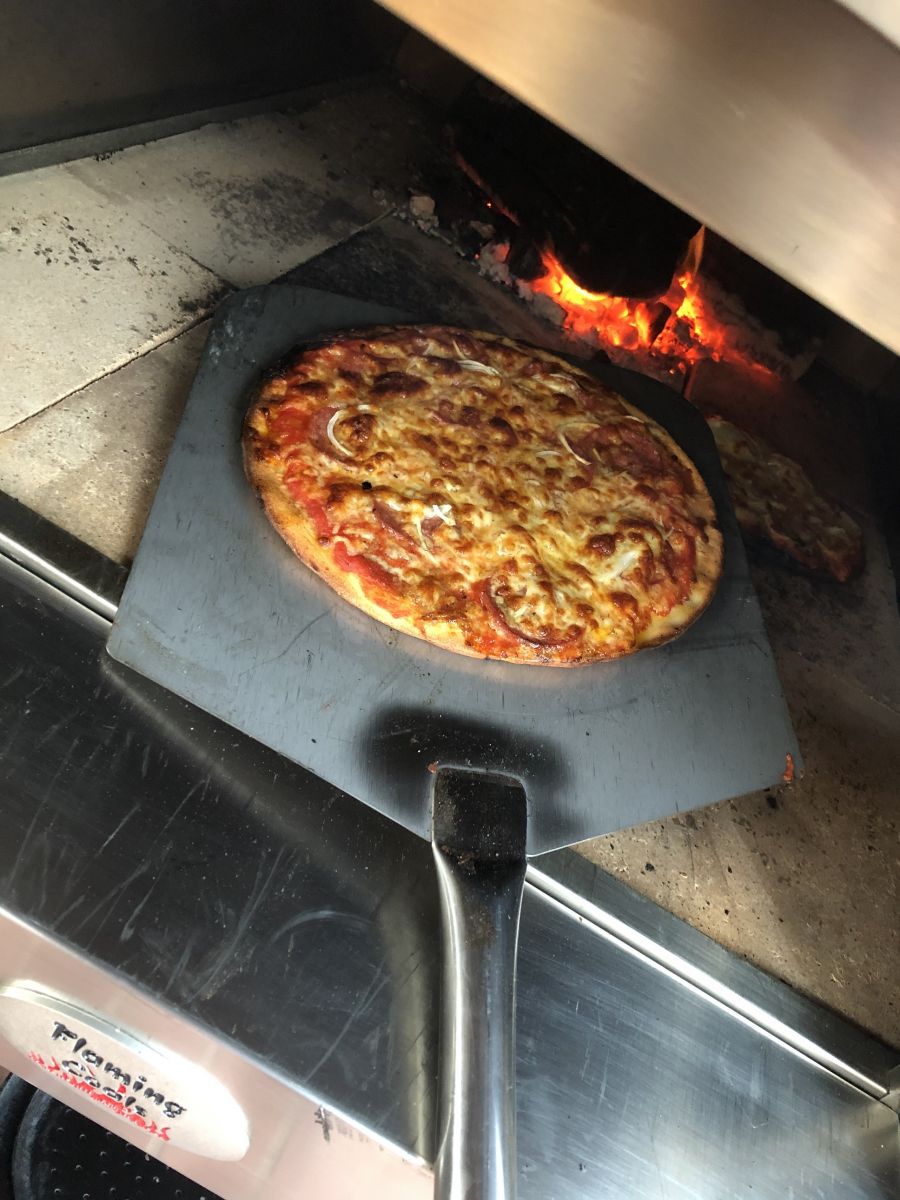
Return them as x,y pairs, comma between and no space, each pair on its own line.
252,899
219,610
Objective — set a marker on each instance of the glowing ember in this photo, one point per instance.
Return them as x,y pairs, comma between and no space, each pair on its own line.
678,328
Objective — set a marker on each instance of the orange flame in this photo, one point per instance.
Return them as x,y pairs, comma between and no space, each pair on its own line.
677,329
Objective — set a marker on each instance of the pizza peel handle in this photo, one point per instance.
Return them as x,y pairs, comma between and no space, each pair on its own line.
479,825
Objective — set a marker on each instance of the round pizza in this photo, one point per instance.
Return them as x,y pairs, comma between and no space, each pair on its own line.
483,495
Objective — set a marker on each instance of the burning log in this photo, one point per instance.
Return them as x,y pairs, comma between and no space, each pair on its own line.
613,234
524,259
694,320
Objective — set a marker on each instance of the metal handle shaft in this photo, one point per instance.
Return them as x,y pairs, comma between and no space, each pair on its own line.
481,899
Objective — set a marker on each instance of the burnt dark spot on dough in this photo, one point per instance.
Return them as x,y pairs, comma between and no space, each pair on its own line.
603,544
443,366
397,383
505,430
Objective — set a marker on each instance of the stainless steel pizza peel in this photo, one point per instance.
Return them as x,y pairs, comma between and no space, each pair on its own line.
488,761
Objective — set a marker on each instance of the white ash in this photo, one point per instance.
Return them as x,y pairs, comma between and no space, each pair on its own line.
492,263
545,306
754,339
421,209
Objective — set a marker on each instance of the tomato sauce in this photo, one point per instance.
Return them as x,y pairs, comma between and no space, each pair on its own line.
289,425
314,507
385,585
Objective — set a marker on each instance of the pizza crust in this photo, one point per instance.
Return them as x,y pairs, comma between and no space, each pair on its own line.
479,632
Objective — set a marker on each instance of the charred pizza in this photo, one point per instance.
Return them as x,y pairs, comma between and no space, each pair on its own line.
483,495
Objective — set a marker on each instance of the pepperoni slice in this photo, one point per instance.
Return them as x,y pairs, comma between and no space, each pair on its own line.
484,595
431,525
645,448
289,425
391,521
317,432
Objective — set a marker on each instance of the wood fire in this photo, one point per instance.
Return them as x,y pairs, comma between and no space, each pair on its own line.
677,329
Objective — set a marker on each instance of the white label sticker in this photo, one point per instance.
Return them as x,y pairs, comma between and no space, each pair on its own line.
154,1090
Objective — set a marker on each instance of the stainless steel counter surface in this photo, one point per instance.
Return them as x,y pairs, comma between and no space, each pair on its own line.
251,908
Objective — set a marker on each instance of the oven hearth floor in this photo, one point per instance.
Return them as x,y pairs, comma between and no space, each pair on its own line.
129,255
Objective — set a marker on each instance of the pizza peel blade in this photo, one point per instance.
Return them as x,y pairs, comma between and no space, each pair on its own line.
486,760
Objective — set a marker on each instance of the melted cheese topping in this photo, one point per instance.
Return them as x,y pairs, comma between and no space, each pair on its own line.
775,499
484,495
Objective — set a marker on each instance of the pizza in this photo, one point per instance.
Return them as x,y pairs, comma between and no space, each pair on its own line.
775,500
483,495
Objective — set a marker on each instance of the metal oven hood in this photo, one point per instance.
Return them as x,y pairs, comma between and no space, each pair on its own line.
776,124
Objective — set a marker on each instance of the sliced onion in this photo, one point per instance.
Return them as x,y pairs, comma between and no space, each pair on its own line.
569,380
329,433
472,365
339,415
342,540
440,512
583,421
565,441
